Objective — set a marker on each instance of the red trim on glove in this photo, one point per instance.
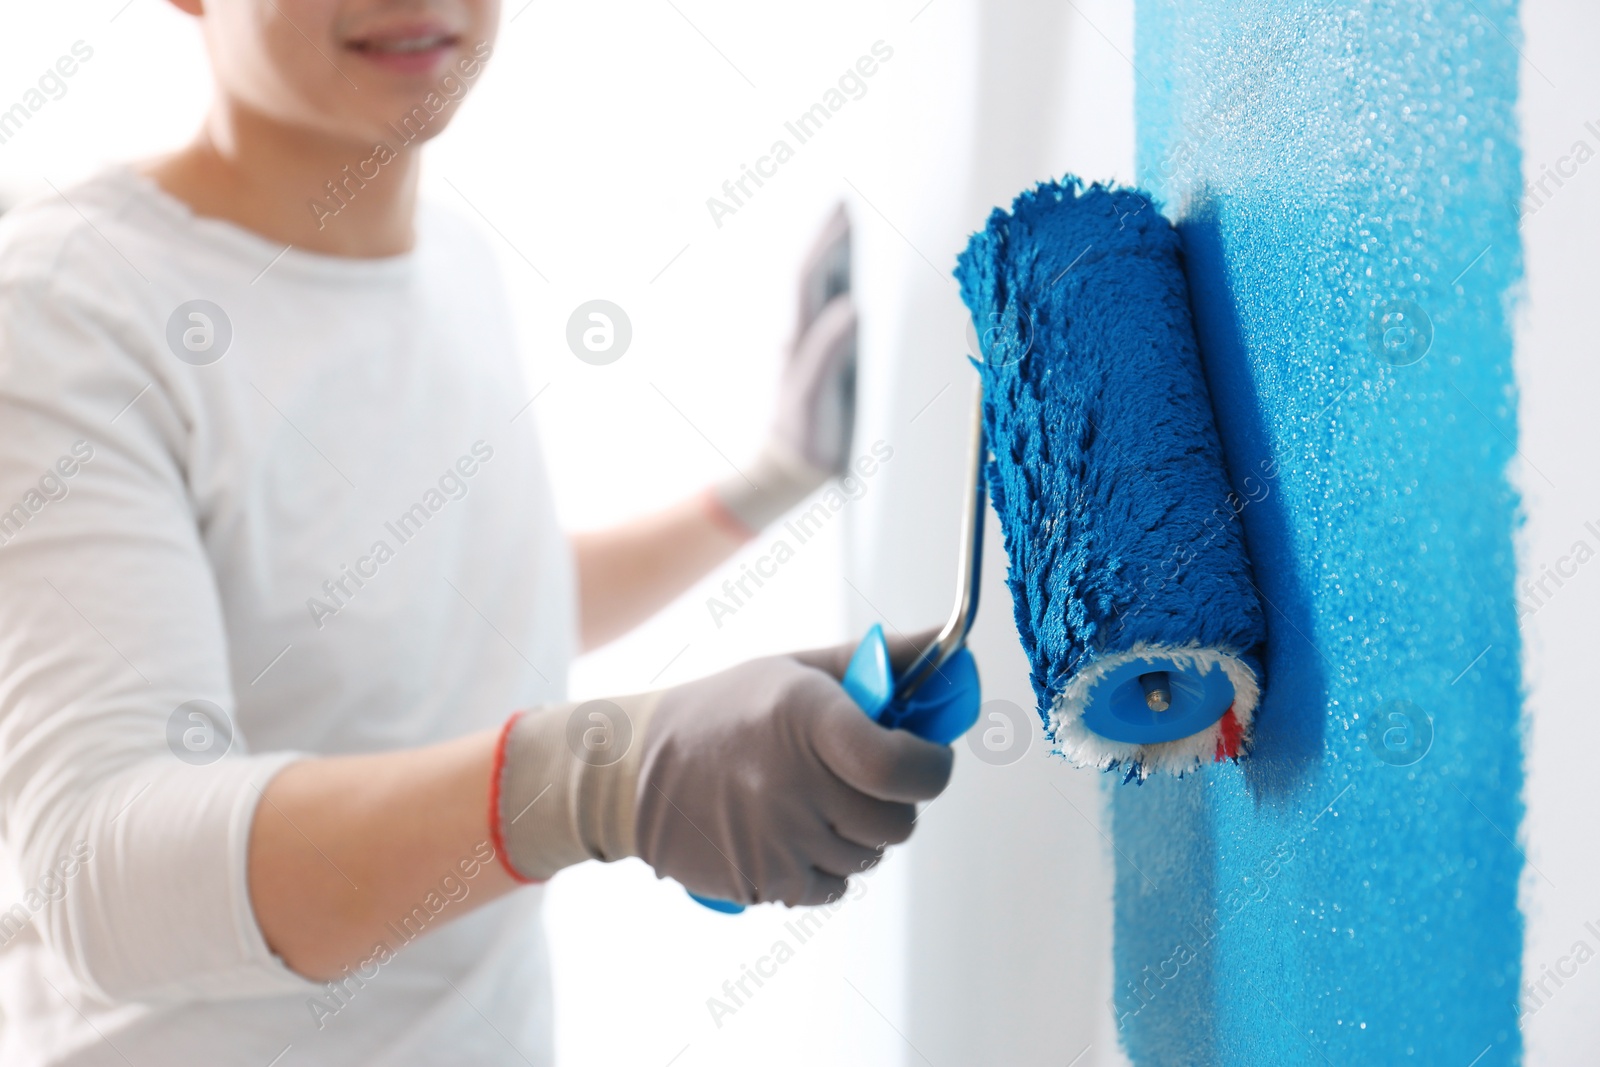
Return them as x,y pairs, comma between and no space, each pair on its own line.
718,512
496,773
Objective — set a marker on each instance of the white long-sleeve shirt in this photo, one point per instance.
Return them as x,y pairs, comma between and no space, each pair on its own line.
321,513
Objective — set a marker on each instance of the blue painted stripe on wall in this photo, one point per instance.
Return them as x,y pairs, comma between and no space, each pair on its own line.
1346,177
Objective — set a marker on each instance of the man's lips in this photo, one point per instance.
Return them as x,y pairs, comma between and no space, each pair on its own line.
417,50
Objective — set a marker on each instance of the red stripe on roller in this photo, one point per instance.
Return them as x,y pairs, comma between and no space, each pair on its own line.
1232,734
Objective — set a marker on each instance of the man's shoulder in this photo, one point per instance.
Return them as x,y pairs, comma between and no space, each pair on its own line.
66,234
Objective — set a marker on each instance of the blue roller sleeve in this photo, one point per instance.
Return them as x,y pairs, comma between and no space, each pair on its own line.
1126,551
942,709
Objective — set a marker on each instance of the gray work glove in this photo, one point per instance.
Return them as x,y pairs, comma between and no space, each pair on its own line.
809,441
764,782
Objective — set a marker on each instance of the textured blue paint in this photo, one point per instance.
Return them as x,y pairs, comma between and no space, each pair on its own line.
1107,473
1324,902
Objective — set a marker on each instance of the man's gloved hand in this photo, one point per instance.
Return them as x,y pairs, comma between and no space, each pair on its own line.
810,437
764,782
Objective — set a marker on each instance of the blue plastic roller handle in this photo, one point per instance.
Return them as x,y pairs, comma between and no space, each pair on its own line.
942,709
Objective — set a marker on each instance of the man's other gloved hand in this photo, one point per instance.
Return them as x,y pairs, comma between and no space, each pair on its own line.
809,441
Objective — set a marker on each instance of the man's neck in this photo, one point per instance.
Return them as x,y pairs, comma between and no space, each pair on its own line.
296,186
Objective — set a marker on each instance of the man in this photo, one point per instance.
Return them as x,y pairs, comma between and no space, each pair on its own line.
279,559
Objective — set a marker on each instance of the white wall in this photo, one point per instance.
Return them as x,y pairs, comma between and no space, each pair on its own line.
1557,344
1010,906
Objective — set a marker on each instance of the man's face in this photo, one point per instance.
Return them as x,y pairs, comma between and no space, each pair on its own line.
348,68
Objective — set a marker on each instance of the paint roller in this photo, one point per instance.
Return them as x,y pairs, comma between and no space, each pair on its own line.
1130,584
1095,434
